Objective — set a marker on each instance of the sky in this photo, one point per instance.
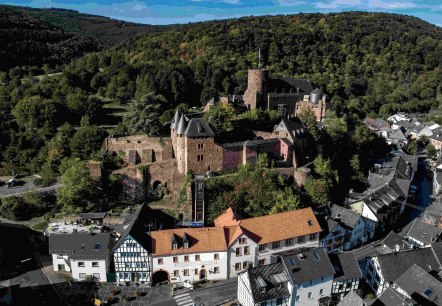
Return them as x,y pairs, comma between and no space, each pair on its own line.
161,12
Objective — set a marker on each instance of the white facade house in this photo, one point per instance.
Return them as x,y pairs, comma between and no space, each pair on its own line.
399,117
345,230
381,271
82,254
253,242
191,254
290,281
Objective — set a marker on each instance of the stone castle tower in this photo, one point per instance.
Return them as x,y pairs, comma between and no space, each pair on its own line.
256,92
181,145
173,131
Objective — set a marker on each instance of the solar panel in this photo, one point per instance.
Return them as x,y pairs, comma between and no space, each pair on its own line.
292,262
97,246
428,292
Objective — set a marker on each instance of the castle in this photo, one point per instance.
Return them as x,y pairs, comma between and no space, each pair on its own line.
289,97
197,151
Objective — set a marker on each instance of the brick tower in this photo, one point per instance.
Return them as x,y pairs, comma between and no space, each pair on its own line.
256,92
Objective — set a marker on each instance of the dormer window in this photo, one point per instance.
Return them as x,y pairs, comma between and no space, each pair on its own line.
174,242
186,241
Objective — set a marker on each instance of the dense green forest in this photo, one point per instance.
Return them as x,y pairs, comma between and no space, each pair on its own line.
368,63
34,37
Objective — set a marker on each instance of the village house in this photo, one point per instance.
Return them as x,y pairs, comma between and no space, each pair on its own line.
132,250
189,254
347,274
82,255
344,229
422,234
253,241
289,281
382,270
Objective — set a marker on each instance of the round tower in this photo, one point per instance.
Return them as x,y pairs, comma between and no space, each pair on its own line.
180,145
301,175
254,96
173,131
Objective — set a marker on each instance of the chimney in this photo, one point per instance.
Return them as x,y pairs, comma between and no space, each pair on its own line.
397,248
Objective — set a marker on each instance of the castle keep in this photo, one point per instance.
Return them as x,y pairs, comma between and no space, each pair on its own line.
289,97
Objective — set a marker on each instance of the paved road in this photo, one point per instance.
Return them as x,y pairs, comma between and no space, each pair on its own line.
221,292
21,190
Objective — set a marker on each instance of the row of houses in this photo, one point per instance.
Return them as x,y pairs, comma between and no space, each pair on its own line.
136,253
400,270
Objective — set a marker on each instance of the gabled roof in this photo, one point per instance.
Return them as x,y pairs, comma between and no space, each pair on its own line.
393,239
423,232
96,215
288,84
390,297
300,263
80,245
138,223
265,286
352,299
397,135
198,127
394,264
345,266
281,226
416,282
345,216
227,218
207,239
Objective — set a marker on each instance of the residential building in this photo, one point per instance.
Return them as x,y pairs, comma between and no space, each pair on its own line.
399,117
289,281
81,254
433,214
344,229
132,251
395,242
422,234
189,254
308,285
264,285
347,274
382,270
253,241
352,299
419,285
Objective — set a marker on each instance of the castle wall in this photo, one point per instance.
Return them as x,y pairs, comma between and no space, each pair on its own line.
141,148
318,109
232,157
199,160
290,99
133,183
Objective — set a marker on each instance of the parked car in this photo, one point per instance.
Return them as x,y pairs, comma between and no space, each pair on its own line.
12,182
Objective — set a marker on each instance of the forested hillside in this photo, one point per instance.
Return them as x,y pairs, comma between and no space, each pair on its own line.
36,37
368,64
371,62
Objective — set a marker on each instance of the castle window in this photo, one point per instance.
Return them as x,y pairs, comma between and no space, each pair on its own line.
199,158
200,146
